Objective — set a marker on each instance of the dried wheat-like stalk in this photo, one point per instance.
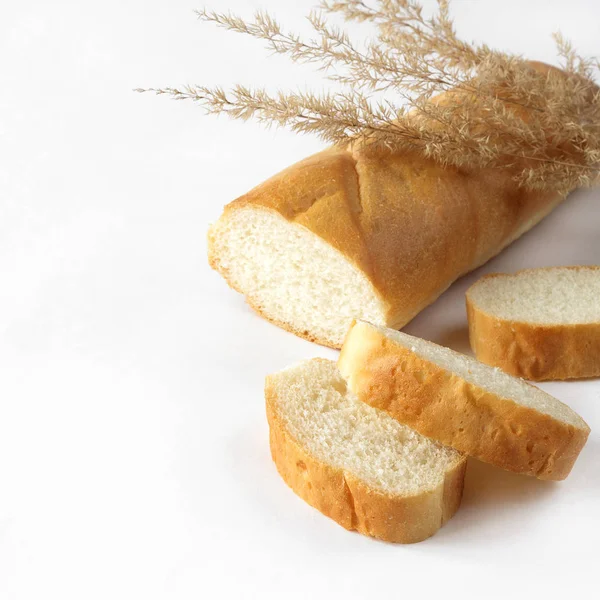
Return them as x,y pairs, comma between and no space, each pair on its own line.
464,104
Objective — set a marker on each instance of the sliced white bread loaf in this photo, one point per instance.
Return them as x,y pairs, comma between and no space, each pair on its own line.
538,323
355,463
378,236
463,403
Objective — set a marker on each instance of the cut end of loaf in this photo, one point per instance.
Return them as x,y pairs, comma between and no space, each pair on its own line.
290,275
336,428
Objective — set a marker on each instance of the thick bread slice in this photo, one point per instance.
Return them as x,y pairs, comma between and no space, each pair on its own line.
538,323
362,234
463,403
354,463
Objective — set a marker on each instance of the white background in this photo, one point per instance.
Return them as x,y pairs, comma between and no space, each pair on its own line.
134,458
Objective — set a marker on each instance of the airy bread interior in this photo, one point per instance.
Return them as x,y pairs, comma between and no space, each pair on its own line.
292,275
557,295
491,379
338,429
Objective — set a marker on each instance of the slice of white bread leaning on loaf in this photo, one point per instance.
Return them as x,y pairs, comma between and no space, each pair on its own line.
355,463
538,323
458,401
363,233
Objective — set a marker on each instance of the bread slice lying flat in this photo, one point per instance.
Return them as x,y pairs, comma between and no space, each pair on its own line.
538,323
463,403
355,463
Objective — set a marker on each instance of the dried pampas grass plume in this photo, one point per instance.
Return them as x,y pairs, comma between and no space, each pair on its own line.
463,104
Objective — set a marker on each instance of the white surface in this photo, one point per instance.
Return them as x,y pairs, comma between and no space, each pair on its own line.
121,351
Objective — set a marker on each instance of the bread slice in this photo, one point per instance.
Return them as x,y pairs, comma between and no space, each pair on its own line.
538,323
463,403
354,463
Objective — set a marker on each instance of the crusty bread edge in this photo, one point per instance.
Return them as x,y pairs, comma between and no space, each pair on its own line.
532,350
445,407
352,503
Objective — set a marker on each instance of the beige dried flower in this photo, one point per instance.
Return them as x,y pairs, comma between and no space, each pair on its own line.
463,104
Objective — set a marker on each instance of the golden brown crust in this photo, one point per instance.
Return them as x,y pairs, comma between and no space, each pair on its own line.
425,225
446,408
534,351
352,503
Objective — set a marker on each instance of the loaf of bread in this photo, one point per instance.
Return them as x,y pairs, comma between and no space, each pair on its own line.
538,323
355,463
463,403
372,235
